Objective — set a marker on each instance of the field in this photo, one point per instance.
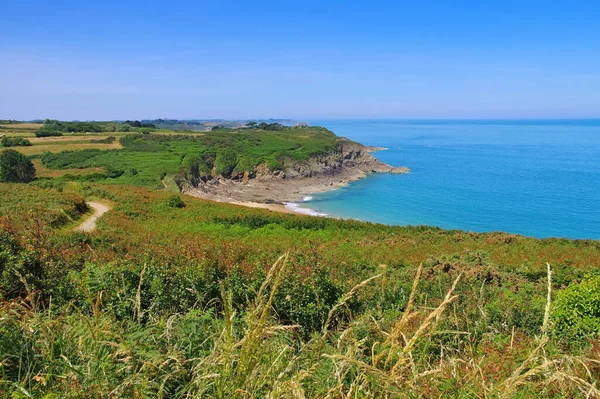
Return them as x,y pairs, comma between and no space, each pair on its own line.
156,285
59,145
42,171
175,296
20,129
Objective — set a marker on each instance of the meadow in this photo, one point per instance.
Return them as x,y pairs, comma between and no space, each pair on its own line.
217,300
177,297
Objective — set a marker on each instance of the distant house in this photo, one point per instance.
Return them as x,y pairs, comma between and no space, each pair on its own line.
302,124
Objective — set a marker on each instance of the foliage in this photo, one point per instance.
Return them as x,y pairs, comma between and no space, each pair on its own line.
140,124
48,133
175,201
15,167
112,172
108,140
577,309
52,127
224,152
15,142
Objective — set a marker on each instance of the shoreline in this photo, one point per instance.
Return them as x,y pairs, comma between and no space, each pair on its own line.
277,195
291,206
286,189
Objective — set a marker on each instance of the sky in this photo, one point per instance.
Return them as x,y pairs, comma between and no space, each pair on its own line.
311,59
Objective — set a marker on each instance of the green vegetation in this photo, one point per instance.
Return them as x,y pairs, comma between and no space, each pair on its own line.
174,302
14,142
108,140
175,201
15,167
48,133
577,310
52,127
207,125
227,152
174,296
140,124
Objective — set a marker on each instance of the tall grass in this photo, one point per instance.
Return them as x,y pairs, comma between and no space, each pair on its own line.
72,352
143,307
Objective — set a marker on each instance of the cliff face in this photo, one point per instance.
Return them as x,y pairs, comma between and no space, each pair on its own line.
347,156
349,161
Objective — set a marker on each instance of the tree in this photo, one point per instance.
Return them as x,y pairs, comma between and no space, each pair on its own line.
15,167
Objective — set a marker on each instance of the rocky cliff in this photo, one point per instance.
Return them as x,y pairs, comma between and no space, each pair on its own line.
293,178
347,155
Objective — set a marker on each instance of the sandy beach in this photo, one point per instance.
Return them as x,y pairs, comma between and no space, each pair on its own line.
277,194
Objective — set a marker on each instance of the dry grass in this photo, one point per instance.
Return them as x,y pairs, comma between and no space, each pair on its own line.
40,149
63,139
22,126
42,171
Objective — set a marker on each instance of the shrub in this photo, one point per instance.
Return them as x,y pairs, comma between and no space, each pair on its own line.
175,201
225,163
108,140
15,167
48,133
576,310
112,172
15,142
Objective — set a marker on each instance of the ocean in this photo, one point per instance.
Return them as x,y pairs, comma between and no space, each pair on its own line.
537,178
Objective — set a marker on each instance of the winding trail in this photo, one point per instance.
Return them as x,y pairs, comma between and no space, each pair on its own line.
89,224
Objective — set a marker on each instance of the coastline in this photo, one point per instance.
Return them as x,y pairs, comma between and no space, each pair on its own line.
284,196
279,194
285,189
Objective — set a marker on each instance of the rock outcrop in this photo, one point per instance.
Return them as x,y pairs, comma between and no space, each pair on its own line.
294,178
348,155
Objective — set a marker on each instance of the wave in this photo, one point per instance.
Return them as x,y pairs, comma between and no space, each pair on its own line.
294,207
307,198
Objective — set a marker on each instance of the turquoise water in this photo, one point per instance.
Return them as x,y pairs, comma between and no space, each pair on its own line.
536,178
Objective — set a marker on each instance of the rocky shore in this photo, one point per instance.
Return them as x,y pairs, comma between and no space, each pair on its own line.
348,162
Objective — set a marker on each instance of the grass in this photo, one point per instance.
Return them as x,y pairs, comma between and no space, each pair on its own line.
42,171
22,126
71,139
227,151
40,148
112,340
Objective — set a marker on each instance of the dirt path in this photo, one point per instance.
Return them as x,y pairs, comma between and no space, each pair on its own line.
90,223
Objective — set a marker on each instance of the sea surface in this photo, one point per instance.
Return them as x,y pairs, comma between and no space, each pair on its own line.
538,178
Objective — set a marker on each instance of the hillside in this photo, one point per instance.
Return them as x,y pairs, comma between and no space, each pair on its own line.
196,161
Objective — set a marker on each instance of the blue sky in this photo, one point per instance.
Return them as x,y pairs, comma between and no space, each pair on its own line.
299,59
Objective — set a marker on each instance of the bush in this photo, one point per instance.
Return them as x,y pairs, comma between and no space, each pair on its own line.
48,133
15,142
15,167
112,172
576,310
175,201
108,140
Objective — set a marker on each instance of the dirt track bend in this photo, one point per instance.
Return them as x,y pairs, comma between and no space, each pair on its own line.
89,224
